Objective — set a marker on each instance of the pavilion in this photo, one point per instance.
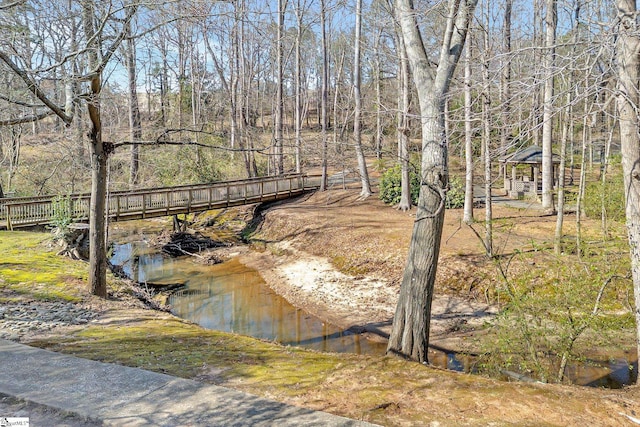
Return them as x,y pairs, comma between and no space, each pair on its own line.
525,179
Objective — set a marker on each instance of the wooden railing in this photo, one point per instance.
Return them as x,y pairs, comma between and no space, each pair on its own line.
154,202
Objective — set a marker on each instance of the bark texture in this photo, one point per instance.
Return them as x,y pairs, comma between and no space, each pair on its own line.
628,100
410,332
551,22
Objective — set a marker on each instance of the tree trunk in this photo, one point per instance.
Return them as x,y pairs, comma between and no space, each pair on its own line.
505,79
557,240
410,332
378,83
468,146
403,126
357,120
567,134
551,21
582,184
97,223
135,125
628,101
14,154
325,95
486,137
279,124
298,77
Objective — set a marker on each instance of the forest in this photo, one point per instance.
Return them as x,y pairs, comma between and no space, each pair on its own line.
99,96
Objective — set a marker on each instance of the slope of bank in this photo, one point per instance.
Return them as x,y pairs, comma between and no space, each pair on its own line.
382,390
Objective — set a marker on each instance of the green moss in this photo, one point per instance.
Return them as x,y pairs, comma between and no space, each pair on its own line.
31,268
186,350
348,266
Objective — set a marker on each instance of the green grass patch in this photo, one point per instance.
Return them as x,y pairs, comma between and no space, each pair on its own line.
31,268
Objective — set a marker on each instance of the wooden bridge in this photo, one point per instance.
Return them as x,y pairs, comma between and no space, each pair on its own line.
155,202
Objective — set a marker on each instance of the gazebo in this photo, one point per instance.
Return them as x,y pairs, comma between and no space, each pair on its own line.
525,180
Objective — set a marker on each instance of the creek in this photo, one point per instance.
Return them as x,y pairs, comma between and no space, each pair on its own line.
231,297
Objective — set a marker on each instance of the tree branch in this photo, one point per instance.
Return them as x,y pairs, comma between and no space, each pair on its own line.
26,119
10,5
35,89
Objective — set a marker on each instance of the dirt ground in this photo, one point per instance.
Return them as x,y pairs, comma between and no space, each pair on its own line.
342,258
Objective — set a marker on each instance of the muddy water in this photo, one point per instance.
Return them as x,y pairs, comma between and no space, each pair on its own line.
231,297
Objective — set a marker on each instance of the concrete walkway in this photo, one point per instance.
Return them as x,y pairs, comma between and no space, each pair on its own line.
122,396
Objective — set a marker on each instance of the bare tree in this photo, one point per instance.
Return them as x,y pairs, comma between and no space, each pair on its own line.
628,101
551,23
324,92
404,101
505,78
98,56
357,120
468,138
410,332
135,124
486,137
279,119
299,10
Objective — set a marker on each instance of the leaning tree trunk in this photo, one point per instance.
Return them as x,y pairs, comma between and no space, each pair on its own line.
628,100
410,332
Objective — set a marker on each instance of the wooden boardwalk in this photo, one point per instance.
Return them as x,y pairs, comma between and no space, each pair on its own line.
156,202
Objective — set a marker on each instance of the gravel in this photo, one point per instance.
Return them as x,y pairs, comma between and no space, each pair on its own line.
19,319
39,415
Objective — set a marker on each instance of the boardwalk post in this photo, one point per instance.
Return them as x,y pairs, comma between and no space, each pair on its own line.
9,225
167,198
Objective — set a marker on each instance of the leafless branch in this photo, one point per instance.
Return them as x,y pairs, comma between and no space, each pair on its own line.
26,119
35,89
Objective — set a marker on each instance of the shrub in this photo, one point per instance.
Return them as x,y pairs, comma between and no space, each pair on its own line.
390,185
61,215
391,190
611,193
455,195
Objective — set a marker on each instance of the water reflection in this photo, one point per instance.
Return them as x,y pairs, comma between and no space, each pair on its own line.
231,297
614,373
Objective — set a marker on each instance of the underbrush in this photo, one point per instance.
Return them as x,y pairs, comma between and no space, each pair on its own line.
559,310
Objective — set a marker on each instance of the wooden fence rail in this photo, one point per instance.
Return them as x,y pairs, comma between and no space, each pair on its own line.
148,203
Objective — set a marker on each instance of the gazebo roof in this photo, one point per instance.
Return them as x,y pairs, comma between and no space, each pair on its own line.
529,155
